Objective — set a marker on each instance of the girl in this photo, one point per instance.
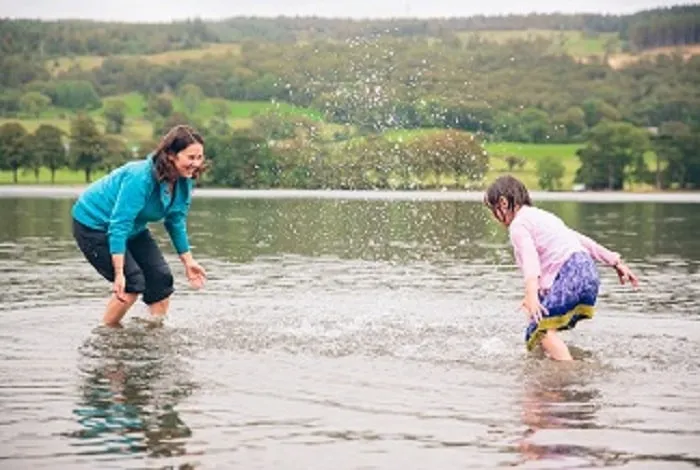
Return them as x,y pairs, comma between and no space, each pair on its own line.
558,264
110,223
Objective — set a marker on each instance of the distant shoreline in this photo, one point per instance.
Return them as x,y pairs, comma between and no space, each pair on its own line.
63,191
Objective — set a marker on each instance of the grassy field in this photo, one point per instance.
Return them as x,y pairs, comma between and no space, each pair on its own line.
532,153
575,43
621,60
89,62
499,151
63,177
138,127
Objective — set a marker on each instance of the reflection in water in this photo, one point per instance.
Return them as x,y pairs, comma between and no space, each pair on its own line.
556,396
132,383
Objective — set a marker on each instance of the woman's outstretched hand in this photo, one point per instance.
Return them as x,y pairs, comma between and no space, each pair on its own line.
196,274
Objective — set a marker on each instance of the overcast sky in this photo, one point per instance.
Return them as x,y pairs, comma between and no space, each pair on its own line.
166,10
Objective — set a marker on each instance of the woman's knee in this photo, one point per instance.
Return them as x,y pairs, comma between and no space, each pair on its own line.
135,283
159,285
162,277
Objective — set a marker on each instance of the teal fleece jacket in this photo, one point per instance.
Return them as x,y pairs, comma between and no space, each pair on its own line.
124,201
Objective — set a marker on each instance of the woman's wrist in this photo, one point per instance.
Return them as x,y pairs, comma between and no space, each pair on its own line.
186,258
118,264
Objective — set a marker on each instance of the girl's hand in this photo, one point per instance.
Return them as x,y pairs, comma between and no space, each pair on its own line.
625,274
532,306
196,274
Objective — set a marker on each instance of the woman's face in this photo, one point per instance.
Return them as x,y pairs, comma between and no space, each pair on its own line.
189,160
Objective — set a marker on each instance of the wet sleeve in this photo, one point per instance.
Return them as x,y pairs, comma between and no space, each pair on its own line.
525,251
597,251
129,202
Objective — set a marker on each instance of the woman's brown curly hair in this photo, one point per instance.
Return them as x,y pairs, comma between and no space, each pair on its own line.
175,141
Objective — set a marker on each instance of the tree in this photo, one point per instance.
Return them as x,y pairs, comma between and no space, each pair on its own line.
115,114
10,102
46,146
160,127
514,161
76,94
612,147
243,160
536,125
509,127
573,120
191,96
86,145
451,152
222,108
677,145
273,126
159,105
144,147
116,153
550,171
596,110
34,103
12,147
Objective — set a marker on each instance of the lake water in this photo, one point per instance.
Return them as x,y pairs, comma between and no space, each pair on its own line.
348,334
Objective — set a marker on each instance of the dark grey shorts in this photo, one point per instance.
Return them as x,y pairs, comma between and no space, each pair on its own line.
145,269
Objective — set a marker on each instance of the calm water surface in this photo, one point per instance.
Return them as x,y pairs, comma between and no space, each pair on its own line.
348,335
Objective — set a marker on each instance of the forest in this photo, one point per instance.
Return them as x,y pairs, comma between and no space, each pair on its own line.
651,28
320,103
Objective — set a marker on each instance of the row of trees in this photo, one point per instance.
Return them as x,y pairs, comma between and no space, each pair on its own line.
60,38
676,26
253,158
45,39
289,152
85,148
617,153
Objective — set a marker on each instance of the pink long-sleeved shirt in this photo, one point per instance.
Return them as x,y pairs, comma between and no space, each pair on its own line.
542,243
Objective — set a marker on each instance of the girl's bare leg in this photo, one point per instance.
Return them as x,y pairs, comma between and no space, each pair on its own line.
555,347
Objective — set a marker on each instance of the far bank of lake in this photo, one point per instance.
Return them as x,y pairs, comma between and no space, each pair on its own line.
63,191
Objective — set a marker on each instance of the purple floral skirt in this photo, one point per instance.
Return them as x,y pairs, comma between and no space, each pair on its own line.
571,298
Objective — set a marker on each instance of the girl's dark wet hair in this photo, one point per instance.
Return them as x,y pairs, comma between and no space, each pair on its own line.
510,188
175,141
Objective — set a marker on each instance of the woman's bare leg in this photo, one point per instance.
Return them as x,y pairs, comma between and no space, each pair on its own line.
116,309
160,309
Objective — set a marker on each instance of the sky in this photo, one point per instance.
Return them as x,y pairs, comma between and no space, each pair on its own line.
167,10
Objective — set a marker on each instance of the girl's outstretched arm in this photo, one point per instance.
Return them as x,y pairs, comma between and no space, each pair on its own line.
601,254
598,251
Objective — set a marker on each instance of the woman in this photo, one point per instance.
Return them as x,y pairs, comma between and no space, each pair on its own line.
110,223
